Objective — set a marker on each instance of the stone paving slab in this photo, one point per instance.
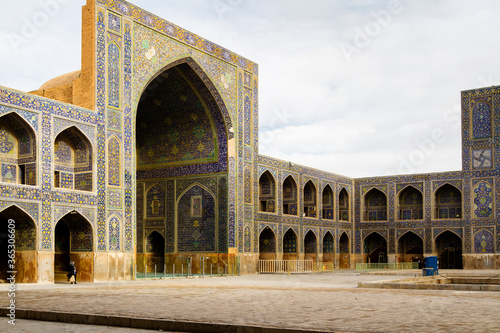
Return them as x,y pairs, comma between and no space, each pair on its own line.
30,326
325,302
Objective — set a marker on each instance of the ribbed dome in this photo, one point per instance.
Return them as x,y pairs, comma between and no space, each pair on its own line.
62,80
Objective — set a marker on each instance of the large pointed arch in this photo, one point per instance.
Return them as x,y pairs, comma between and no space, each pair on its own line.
344,250
449,246
73,160
267,244
310,202
344,206
267,193
328,247
182,128
206,80
375,248
410,247
448,202
310,245
290,196
14,218
375,205
290,245
410,201
74,240
18,149
154,252
327,202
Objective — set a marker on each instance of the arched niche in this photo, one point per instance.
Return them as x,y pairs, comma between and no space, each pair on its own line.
289,196
267,193
73,161
18,148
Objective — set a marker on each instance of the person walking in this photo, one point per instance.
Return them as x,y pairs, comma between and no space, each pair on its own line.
72,272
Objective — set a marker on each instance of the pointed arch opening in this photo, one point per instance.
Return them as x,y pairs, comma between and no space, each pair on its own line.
448,202
310,203
448,246
267,244
267,193
344,251
375,248
410,204
74,241
328,247
327,203
290,247
18,149
289,196
25,245
182,128
73,161
310,246
155,252
344,205
411,248
375,206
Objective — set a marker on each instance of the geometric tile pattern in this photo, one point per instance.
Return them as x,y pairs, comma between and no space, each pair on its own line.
114,233
483,200
177,33
114,162
196,233
484,242
248,120
114,23
115,199
481,120
101,143
9,173
113,75
482,158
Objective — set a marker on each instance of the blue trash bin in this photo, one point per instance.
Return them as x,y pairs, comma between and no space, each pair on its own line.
432,263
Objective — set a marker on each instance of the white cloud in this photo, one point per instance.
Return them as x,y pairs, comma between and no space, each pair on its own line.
360,117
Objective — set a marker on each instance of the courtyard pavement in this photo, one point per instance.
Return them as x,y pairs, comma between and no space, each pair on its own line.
323,302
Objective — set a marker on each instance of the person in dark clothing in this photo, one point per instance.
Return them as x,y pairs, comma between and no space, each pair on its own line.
72,272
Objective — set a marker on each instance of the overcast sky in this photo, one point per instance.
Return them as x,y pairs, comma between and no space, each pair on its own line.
356,87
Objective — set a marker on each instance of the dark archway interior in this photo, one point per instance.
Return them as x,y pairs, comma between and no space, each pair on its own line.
328,248
344,256
181,131
267,193
343,205
328,210
289,245
375,247
155,252
267,244
448,202
375,207
310,209
411,248
74,241
449,250
289,196
25,245
18,149
73,161
411,204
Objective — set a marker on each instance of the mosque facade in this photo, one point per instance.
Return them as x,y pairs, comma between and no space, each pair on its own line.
149,156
